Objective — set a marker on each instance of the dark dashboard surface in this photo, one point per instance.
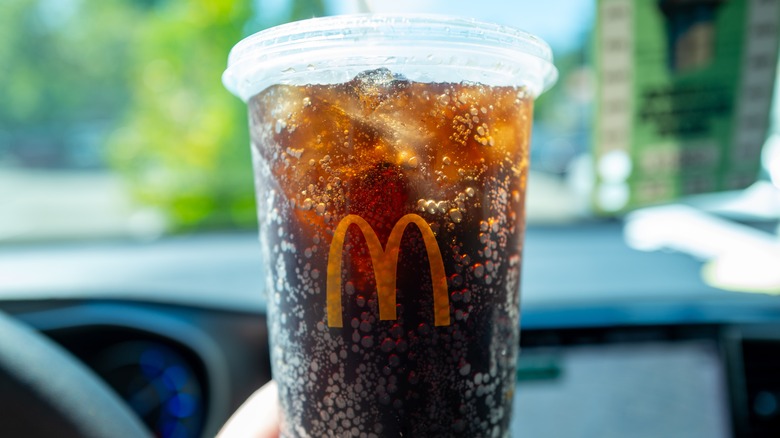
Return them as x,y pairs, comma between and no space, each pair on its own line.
192,306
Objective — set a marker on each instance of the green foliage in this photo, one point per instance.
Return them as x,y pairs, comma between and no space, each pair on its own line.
58,63
184,145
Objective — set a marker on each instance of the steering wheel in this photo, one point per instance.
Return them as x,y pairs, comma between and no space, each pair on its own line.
45,391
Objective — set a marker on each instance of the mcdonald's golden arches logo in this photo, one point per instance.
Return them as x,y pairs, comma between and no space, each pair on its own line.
385,262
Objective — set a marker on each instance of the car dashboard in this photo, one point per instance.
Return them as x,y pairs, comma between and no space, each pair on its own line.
615,342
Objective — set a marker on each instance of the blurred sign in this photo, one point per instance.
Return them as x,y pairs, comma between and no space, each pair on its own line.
683,97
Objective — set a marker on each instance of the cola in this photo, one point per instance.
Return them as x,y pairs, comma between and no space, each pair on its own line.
391,213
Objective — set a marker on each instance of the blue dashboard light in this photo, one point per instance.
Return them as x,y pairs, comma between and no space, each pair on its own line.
152,362
173,429
159,384
175,377
181,405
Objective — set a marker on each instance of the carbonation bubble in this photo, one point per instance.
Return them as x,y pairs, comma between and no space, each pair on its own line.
446,160
465,369
367,341
456,216
479,270
388,345
470,191
394,360
456,280
279,126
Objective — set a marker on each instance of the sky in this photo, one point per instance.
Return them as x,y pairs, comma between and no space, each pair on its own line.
562,23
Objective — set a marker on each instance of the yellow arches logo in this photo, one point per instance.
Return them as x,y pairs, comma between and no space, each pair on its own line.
385,262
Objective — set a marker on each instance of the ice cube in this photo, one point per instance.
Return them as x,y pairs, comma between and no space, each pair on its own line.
373,87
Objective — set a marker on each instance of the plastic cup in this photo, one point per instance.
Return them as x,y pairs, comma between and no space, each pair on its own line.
391,156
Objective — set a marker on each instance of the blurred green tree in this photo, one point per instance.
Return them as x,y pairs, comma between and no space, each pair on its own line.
62,68
181,145
184,143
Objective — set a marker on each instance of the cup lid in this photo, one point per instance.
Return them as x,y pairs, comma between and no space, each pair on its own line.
425,48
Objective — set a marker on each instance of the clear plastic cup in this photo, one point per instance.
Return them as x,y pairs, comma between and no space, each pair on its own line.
391,156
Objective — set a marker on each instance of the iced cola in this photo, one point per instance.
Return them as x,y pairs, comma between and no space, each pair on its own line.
391,157
394,222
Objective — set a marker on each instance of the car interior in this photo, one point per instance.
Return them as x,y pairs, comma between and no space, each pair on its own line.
124,313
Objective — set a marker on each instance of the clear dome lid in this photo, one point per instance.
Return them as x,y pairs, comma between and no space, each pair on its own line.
424,48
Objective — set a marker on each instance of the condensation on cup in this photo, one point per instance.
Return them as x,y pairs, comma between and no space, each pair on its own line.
391,158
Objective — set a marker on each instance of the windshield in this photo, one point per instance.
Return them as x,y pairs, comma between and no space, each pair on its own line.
115,122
